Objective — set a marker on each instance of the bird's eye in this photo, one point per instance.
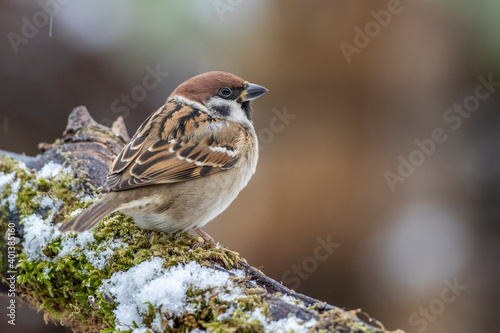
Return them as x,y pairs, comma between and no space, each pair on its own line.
225,92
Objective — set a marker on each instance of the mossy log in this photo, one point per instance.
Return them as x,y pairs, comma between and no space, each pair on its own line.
111,278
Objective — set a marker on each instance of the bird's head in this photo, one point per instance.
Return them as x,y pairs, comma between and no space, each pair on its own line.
224,95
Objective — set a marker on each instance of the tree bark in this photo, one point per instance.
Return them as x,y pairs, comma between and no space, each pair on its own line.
89,148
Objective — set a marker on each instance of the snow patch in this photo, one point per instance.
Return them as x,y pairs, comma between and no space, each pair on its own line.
70,245
293,301
49,203
289,324
37,234
38,229
11,200
5,179
50,170
238,272
149,282
100,257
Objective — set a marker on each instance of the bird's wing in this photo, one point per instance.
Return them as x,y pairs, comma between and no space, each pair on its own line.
175,144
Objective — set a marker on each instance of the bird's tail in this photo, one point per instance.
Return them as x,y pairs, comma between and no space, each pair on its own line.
92,215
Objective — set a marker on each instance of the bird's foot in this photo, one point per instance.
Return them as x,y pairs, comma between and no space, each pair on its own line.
208,241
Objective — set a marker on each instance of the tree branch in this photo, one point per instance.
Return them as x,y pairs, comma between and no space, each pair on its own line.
119,277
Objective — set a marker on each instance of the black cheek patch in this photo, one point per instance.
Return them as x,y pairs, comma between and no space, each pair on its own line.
223,110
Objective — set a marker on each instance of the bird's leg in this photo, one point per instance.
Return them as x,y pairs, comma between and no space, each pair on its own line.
209,241
206,237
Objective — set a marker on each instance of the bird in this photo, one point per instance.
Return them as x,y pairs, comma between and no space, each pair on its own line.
187,161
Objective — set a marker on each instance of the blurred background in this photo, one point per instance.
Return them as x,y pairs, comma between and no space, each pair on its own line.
345,206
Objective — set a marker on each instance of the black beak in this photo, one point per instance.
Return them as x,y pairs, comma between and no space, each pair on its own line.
252,92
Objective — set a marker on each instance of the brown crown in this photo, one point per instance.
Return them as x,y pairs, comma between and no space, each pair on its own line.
201,87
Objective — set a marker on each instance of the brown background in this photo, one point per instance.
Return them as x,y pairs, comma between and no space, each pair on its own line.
322,175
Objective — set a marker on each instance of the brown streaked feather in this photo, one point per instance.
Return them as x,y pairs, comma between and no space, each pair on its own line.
92,215
177,143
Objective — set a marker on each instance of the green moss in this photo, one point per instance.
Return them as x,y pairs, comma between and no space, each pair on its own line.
239,321
62,286
67,298
207,313
7,166
339,320
3,244
32,188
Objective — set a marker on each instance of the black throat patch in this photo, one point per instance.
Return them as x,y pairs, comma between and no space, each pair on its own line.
247,108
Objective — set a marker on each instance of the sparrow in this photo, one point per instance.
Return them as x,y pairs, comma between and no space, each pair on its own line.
187,162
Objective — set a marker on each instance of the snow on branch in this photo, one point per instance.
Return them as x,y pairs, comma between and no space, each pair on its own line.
117,277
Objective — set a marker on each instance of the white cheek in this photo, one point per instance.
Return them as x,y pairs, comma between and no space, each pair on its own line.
236,113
